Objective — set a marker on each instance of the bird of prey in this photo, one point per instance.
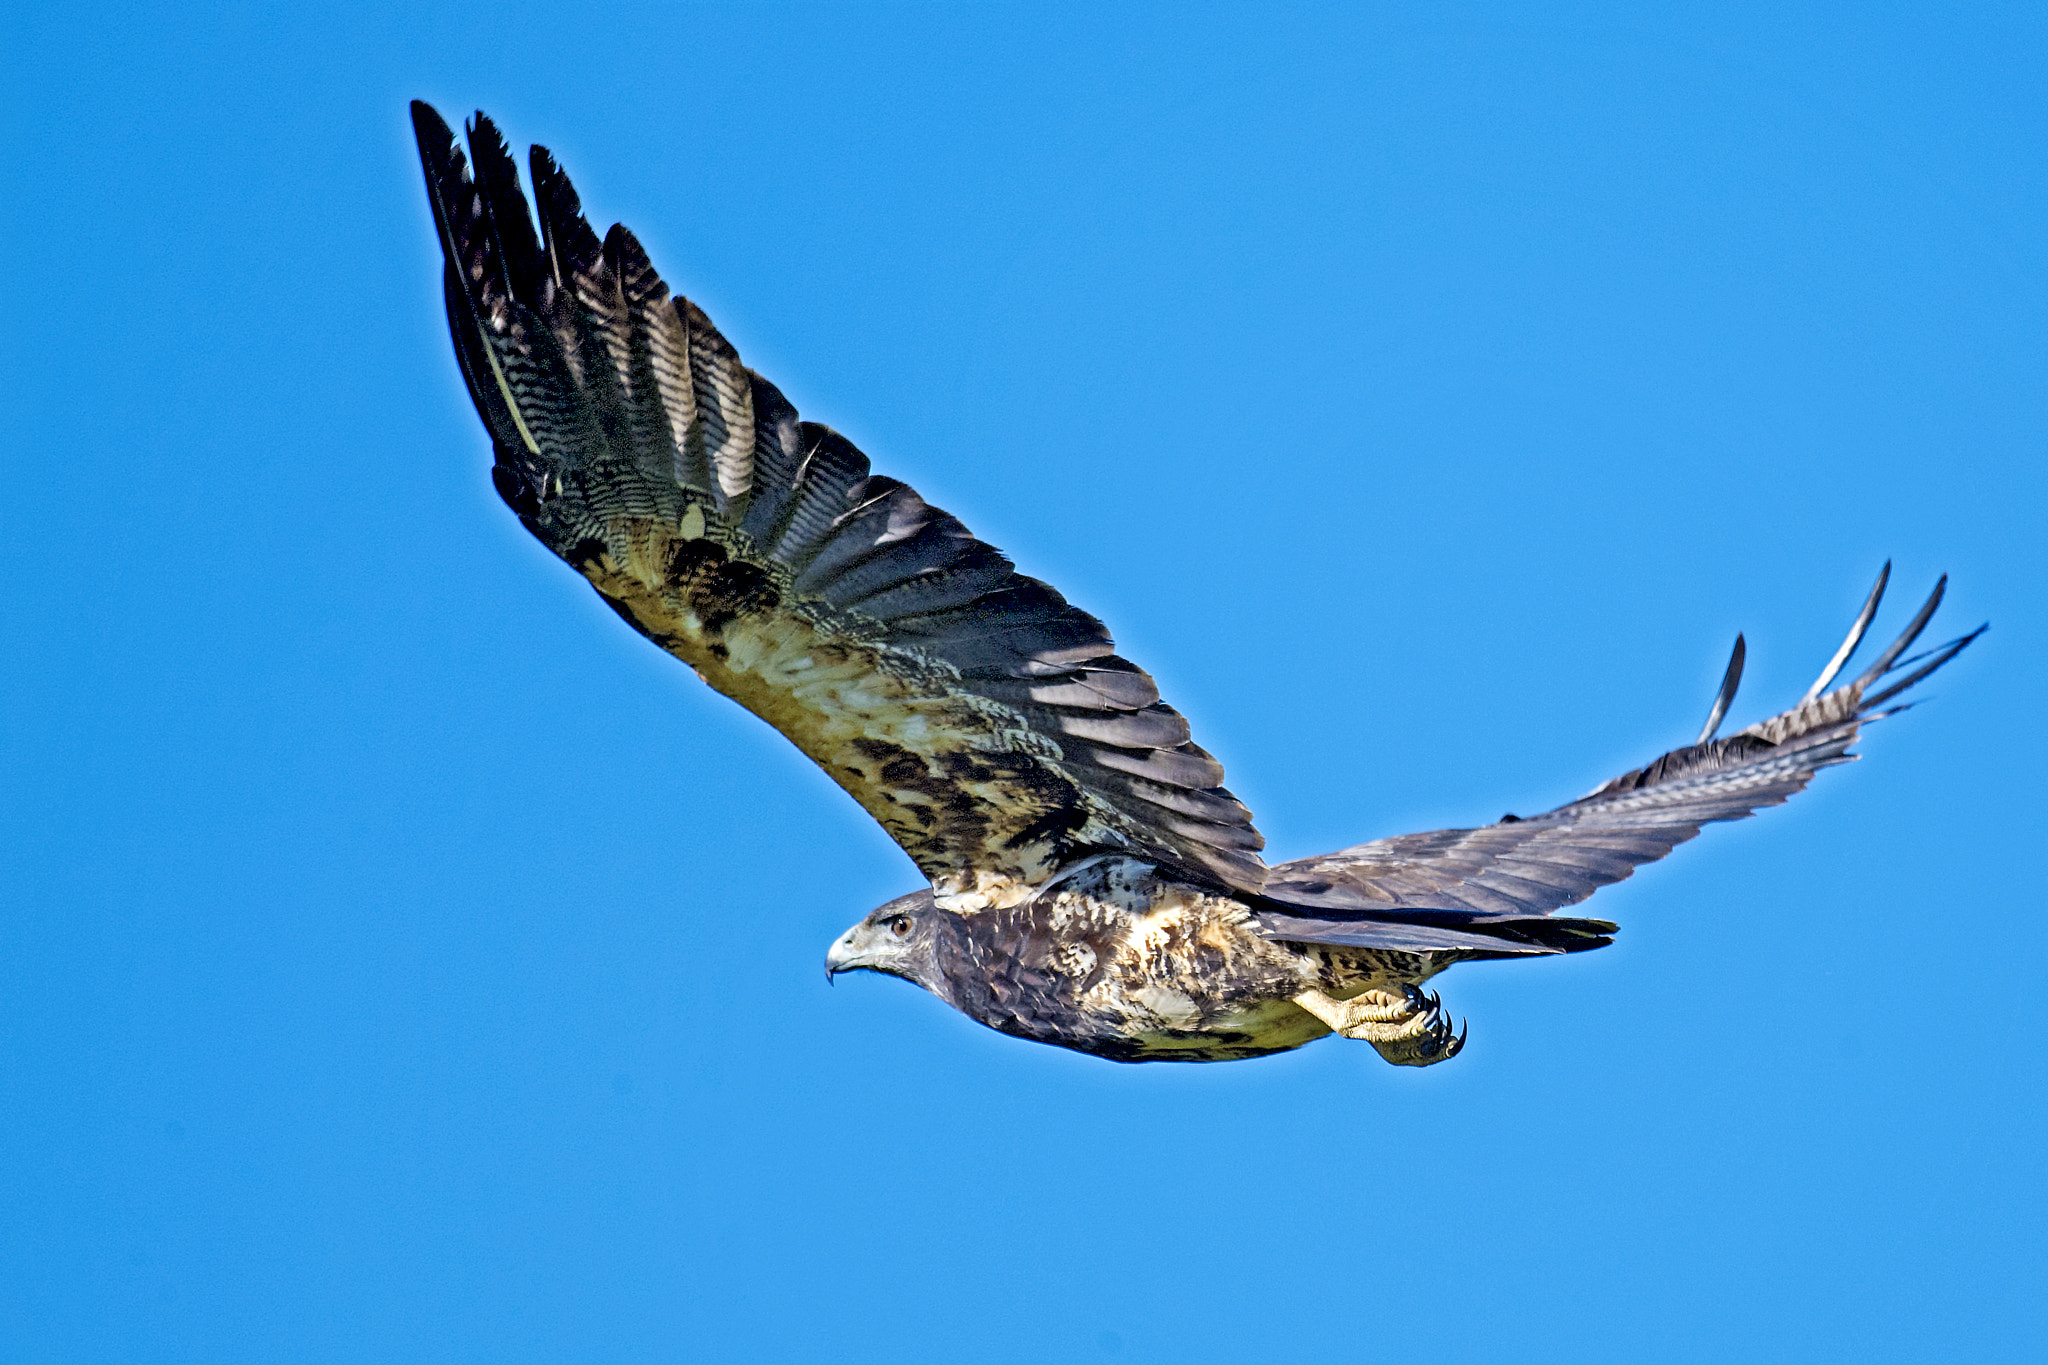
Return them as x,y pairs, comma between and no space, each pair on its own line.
1091,884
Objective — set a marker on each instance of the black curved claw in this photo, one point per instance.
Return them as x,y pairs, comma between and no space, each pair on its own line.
1437,1042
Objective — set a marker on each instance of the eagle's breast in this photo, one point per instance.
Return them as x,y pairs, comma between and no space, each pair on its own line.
1118,959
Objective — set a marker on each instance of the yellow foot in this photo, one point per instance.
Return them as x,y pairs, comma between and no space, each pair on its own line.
1408,1029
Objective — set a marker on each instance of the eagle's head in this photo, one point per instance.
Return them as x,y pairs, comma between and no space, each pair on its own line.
896,938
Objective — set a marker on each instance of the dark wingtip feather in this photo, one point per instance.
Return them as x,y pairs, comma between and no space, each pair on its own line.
1935,659
497,179
572,246
442,161
1883,663
1855,637
1730,680
452,196
429,129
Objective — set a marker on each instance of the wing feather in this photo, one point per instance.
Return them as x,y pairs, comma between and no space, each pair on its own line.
1505,879
982,719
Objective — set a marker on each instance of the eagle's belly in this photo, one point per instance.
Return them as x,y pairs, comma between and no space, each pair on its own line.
1148,1016
1149,1028
1207,989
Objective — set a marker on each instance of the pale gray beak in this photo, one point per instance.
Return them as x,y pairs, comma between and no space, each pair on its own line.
840,959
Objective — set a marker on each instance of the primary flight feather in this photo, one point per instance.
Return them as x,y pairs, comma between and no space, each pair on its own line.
1092,883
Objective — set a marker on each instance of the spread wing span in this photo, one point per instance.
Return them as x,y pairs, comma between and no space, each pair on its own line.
989,726
1460,888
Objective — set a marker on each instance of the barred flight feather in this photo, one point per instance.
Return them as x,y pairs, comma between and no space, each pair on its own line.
1505,873
984,721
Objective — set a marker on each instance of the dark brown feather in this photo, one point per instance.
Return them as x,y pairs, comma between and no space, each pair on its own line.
1501,877
986,722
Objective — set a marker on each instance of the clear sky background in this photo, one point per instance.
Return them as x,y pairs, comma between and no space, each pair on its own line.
400,961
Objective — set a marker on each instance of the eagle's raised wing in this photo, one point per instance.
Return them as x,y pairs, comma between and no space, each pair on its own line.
1454,888
987,724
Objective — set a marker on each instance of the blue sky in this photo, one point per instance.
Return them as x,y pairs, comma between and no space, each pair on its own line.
399,961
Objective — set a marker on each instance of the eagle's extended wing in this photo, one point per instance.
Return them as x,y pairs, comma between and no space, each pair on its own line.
987,724
1450,887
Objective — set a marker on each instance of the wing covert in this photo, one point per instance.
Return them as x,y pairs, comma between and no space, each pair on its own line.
984,721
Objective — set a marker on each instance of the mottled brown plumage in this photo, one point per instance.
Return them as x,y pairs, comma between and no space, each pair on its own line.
1092,883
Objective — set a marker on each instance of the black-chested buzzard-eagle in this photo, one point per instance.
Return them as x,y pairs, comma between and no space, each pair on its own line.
1092,883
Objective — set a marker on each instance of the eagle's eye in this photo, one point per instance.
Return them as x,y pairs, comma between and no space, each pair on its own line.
899,925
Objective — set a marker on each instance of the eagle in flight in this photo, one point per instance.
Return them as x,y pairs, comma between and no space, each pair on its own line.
1092,884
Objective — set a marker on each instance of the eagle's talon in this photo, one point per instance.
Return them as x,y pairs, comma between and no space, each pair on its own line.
1410,1029
1437,1042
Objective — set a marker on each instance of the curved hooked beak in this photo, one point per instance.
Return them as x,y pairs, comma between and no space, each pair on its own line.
841,958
